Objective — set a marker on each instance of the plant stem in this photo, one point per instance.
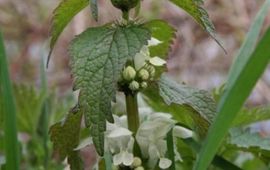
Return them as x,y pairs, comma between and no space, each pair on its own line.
125,15
132,112
133,118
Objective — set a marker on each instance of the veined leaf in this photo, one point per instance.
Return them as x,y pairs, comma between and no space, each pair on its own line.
94,9
233,99
29,105
62,15
195,9
165,33
192,107
65,136
251,115
245,139
199,100
98,56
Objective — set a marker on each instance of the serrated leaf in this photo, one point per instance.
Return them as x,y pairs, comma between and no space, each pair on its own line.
98,56
62,15
195,9
199,100
65,135
245,139
29,105
94,9
251,115
192,107
165,33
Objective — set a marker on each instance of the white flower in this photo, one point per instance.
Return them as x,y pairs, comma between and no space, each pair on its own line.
153,42
151,137
143,56
119,142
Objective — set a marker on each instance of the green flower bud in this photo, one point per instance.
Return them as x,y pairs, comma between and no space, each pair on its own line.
129,73
139,168
137,162
151,69
144,85
143,74
124,5
134,85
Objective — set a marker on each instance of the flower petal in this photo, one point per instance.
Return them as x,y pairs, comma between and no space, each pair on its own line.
141,57
118,132
164,163
118,159
181,132
157,61
128,158
153,42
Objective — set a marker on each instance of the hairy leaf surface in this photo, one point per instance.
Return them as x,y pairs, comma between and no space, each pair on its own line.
189,106
165,33
62,15
98,56
252,115
199,100
65,136
245,139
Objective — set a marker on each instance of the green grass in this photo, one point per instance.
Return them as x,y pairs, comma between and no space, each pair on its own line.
247,69
9,113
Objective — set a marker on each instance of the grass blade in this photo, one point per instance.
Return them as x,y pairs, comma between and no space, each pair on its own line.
10,129
233,99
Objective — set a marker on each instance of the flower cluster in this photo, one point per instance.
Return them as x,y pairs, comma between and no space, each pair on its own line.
151,138
141,70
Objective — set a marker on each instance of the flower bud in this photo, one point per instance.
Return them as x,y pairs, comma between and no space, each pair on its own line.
139,168
124,5
151,69
144,85
143,74
129,73
134,85
137,162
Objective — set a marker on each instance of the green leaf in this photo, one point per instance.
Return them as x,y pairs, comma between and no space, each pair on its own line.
94,9
65,136
98,56
188,105
249,44
218,161
165,33
29,105
245,139
8,112
195,9
199,100
251,115
62,15
237,91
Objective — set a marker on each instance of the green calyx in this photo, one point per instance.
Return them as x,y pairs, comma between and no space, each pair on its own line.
124,5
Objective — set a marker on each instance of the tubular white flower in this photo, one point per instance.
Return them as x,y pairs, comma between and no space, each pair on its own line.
143,56
153,42
119,141
181,132
157,61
